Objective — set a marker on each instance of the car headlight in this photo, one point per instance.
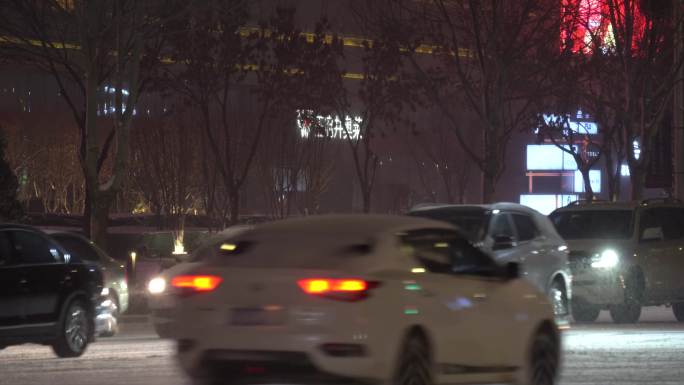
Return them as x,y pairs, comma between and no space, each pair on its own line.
156,285
104,292
606,260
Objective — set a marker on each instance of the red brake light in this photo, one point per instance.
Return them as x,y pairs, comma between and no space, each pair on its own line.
342,289
324,285
201,283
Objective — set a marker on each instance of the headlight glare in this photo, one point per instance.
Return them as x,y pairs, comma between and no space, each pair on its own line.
156,285
607,259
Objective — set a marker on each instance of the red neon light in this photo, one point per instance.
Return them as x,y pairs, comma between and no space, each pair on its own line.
586,24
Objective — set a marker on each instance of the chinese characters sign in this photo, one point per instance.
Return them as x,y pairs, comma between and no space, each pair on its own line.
320,126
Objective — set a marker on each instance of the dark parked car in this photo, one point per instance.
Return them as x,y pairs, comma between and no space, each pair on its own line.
115,291
45,296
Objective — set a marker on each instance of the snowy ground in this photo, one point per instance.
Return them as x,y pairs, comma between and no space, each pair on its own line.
651,352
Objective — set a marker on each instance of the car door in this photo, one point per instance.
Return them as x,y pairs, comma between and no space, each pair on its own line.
12,288
45,274
669,267
530,251
461,304
653,250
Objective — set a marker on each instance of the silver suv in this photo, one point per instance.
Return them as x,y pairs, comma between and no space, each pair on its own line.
624,255
514,233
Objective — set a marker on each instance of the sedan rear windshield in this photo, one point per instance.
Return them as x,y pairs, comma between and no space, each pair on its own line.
289,251
593,224
471,222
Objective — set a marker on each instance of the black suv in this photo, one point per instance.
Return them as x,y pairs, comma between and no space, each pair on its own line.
46,297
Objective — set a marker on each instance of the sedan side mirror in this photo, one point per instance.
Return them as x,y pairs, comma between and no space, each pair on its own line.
502,242
512,270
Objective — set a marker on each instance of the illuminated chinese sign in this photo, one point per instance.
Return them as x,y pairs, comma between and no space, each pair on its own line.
320,126
587,23
579,124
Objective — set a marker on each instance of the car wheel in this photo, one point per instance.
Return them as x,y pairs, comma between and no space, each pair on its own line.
414,366
74,331
113,324
559,299
583,311
678,310
630,310
544,359
625,313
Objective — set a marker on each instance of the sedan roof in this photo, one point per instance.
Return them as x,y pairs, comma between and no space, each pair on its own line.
351,224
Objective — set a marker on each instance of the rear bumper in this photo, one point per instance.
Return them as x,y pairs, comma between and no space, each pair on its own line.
298,358
248,367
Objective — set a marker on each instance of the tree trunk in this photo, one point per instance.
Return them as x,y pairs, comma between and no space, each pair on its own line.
638,179
89,164
86,215
99,221
617,183
491,166
234,206
609,168
588,190
366,196
488,187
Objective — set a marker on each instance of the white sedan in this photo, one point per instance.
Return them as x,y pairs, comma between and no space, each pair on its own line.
355,299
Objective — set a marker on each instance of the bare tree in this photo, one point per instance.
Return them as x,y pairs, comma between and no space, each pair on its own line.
636,70
166,155
240,84
91,48
383,98
43,153
440,160
491,56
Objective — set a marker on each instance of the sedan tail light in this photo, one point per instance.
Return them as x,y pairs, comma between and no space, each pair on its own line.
340,289
196,283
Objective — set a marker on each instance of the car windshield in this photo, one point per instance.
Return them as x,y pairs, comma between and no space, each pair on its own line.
588,224
471,221
288,250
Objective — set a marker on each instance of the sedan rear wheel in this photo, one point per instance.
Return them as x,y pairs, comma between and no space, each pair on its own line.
678,310
545,359
414,366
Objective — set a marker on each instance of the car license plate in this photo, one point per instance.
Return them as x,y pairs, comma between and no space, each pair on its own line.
256,316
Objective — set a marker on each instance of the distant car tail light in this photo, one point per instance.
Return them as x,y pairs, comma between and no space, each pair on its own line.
341,289
196,283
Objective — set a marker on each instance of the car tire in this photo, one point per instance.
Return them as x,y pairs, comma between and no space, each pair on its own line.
583,311
74,331
678,311
629,311
414,367
113,328
544,359
559,299
626,313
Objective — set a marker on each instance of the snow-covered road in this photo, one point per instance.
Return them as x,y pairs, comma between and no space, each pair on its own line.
651,352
